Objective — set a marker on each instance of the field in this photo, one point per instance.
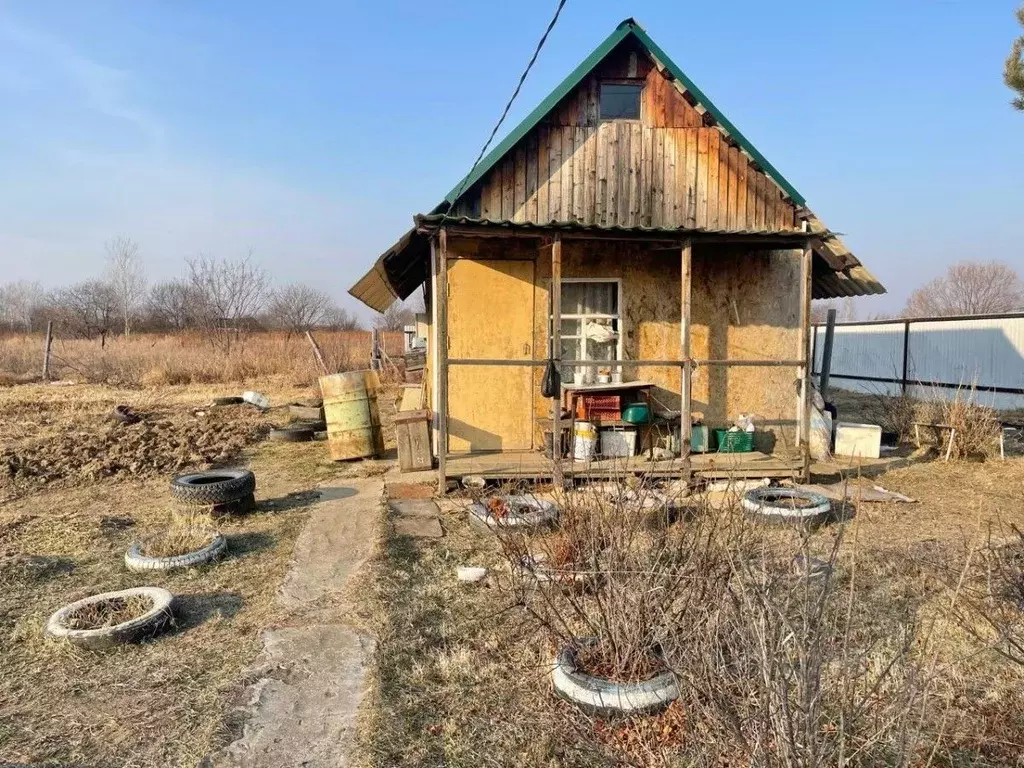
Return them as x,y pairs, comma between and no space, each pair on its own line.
76,489
188,358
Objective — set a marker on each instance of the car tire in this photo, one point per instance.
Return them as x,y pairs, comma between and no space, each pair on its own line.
134,560
149,623
292,434
215,486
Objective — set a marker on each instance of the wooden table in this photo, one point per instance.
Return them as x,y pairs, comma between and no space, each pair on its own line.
571,392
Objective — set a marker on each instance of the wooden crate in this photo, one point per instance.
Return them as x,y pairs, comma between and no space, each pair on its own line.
412,433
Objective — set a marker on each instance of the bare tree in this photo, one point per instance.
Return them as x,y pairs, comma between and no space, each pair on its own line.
126,277
20,302
968,288
338,319
1013,71
174,305
87,309
297,307
846,311
231,294
395,318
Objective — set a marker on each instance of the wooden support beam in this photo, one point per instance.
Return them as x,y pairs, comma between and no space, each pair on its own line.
441,335
804,409
556,353
686,373
696,363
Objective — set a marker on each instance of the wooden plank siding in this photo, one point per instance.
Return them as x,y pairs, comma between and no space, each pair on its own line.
668,169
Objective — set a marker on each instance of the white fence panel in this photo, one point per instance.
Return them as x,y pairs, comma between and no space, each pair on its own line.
942,354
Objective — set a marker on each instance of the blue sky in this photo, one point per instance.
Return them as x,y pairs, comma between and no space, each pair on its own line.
311,132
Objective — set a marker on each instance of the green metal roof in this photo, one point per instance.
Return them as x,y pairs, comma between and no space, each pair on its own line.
628,28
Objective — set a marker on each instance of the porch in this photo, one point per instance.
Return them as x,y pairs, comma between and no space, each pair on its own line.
534,466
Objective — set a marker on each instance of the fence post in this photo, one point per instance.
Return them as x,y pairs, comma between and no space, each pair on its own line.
46,350
826,353
906,355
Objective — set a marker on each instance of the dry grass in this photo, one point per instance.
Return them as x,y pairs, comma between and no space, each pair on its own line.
166,701
108,613
188,358
178,539
461,675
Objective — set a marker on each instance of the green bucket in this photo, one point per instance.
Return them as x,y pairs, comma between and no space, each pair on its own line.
734,442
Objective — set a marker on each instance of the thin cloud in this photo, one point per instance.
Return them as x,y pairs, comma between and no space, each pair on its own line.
102,89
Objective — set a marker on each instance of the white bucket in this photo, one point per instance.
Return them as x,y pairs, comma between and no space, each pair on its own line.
584,441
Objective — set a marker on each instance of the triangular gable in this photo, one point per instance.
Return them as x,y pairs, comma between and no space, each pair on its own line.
626,30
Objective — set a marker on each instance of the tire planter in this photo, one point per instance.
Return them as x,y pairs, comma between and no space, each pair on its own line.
149,623
232,400
292,434
527,513
788,506
314,426
135,560
215,486
604,697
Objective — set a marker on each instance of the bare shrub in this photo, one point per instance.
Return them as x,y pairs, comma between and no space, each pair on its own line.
975,426
232,293
297,308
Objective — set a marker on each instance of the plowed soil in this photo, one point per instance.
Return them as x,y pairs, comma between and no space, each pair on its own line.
54,443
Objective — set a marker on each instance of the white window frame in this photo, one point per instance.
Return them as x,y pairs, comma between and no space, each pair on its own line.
587,372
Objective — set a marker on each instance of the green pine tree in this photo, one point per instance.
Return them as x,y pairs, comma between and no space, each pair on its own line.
1013,74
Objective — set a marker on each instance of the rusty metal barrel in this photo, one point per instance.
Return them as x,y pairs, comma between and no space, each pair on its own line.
350,407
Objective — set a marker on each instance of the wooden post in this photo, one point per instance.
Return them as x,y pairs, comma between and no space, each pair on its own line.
46,350
317,353
556,353
441,336
686,374
804,410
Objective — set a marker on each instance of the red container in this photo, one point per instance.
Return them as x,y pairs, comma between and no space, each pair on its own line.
599,407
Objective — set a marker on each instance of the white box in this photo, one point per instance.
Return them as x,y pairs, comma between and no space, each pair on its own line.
863,441
616,441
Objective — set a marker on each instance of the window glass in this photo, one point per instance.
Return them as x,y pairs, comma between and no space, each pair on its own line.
589,326
620,101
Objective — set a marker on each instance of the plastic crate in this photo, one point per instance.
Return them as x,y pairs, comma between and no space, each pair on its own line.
607,407
734,442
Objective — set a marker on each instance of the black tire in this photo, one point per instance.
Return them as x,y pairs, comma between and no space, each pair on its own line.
233,400
315,426
215,486
126,415
242,506
292,434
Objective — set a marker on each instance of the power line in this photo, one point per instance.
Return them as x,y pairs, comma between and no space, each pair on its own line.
508,106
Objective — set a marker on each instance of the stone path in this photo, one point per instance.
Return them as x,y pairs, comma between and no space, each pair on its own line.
301,711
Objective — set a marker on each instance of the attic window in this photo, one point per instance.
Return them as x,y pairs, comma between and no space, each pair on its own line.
620,101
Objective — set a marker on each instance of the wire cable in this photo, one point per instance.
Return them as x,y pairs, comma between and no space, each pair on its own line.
508,106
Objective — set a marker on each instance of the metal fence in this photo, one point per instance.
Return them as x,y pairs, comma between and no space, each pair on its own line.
930,357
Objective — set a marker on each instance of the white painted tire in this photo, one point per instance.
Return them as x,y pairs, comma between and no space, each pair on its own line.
536,568
149,623
764,504
134,560
542,512
603,697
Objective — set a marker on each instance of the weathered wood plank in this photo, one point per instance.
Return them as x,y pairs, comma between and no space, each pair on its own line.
530,213
714,185
579,176
555,174
636,188
690,177
567,169
612,151
508,183
658,179
601,165
703,165
671,179
590,175
742,191
519,205
543,213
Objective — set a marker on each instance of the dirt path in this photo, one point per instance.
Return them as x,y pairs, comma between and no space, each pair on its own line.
301,709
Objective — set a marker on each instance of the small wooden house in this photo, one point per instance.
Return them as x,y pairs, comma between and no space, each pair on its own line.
674,257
